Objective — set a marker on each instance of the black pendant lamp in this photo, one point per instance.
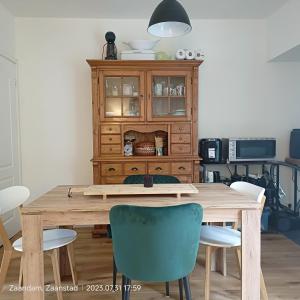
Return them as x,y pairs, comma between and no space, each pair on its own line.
169,19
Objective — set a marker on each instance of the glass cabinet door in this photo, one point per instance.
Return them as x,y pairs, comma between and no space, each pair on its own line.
170,97
122,97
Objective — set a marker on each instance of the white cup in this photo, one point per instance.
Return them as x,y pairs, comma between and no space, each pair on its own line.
158,89
210,176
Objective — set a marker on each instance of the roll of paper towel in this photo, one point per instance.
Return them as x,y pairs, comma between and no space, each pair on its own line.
189,54
198,54
180,54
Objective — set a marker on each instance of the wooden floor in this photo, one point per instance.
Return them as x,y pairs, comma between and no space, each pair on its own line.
280,263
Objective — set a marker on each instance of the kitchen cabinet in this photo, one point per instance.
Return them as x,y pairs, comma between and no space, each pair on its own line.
142,100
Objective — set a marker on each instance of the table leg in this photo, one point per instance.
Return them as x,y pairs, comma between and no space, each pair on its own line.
251,255
33,258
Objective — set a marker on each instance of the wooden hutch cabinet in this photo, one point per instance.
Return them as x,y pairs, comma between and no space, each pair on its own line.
141,100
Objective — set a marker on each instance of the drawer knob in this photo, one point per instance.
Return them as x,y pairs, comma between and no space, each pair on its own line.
110,129
110,139
181,168
134,169
111,169
110,149
158,169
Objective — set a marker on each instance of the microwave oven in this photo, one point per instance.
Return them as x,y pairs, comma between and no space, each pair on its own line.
251,149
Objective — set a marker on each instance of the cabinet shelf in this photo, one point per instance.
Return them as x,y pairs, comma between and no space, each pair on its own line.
118,97
120,157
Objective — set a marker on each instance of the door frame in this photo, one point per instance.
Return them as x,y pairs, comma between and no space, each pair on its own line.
18,136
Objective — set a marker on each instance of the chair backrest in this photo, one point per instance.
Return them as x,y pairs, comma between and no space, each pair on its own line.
252,190
11,198
139,179
156,243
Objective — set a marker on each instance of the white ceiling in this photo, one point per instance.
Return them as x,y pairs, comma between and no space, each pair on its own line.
138,9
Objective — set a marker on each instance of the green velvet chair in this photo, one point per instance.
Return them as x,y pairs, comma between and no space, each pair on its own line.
139,179
156,244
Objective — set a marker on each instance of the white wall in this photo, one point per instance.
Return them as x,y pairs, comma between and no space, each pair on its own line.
283,32
241,94
7,32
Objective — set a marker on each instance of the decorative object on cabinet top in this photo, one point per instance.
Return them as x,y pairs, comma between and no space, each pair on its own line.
139,50
111,49
141,44
162,55
137,55
189,54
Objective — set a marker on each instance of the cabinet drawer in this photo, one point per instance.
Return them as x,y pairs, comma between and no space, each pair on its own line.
181,128
185,179
181,148
111,149
181,168
112,180
111,169
113,129
158,168
134,168
184,138
110,139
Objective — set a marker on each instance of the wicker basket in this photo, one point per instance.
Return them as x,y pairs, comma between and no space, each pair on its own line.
145,149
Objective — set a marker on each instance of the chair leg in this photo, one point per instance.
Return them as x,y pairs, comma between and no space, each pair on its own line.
21,272
70,250
55,265
114,274
180,284
167,289
128,288
220,257
239,260
187,288
263,289
208,251
123,287
4,267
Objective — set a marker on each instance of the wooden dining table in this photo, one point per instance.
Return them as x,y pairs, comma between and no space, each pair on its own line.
56,208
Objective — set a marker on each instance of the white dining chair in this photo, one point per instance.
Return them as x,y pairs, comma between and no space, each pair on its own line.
214,237
53,239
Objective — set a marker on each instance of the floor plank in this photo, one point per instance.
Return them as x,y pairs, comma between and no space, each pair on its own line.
280,264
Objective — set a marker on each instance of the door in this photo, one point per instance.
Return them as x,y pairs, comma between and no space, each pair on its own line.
169,96
9,138
122,96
